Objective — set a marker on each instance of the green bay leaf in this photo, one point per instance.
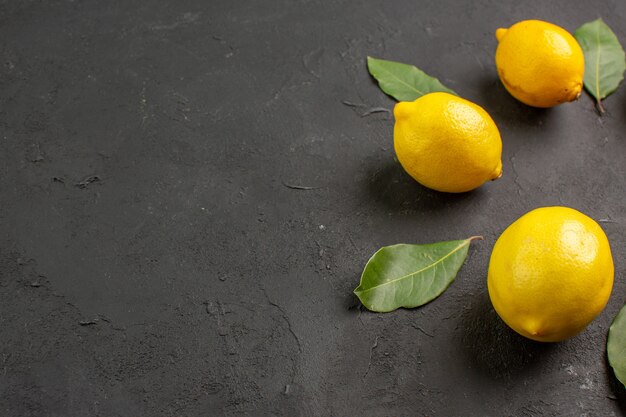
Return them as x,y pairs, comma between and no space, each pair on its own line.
410,275
604,59
402,81
616,346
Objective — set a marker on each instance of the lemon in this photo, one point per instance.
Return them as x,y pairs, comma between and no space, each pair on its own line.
550,273
539,63
447,143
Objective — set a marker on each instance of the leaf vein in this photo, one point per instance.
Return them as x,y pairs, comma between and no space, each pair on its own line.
452,252
398,79
598,63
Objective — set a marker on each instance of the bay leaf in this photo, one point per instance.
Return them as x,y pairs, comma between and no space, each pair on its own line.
402,81
604,59
410,275
616,346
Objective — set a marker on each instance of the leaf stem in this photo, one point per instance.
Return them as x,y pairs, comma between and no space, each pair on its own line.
476,238
599,106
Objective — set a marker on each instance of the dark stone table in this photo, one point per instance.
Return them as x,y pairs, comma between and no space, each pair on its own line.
188,203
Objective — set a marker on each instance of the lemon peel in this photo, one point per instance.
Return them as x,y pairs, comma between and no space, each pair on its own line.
550,273
447,143
539,63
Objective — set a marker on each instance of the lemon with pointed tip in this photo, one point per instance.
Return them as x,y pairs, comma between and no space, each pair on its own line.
550,273
447,143
540,63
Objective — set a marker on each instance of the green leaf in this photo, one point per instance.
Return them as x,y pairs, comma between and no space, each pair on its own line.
410,275
403,82
604,59
616,346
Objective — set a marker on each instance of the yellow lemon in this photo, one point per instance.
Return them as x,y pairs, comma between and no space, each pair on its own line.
447,143
539,63
550,273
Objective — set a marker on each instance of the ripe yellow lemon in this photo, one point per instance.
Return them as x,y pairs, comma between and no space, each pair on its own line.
539,63
447,143
550,273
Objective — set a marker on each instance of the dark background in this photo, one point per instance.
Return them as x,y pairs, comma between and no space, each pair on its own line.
154,262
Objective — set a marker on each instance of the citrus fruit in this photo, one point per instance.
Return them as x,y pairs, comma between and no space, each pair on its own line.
539,63
550,273
447,143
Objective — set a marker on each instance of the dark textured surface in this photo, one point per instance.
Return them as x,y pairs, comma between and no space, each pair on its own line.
153,261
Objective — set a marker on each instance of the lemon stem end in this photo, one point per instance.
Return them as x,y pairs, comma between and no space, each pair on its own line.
500,33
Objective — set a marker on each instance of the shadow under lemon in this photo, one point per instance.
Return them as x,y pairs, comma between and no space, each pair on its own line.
506,109
389,184
492,348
